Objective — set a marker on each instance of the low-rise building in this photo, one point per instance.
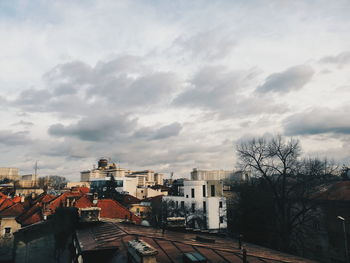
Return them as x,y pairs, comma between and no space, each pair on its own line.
202,204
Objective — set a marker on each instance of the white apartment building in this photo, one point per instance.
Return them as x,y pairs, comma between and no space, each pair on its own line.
124,185
202,204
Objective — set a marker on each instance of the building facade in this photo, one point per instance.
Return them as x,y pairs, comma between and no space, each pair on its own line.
202,204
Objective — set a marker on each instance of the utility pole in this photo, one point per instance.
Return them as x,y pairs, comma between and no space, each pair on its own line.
35,173
345,238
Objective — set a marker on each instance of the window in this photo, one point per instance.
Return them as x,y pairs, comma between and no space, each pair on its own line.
203,190
177,204
220,204
212,188
221,219
186,196
182,204
204,207
193,207
7,230
192,192
137,210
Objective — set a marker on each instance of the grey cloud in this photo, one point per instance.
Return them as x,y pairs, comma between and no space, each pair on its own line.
211,87
33,98
340,60
211,44
23,123
319,121
154,133
8,137
291,79
103,127
124,84
224,93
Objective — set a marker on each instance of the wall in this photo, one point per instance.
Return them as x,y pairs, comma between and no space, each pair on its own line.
6,242
145,192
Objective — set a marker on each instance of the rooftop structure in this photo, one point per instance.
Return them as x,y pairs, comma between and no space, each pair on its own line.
198,174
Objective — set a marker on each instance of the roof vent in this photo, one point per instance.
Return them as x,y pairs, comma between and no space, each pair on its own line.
141,252
194,257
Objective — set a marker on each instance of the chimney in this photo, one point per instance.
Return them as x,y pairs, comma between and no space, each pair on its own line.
90,214
95,199
141,252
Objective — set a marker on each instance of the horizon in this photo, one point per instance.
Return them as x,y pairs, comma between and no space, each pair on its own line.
170,86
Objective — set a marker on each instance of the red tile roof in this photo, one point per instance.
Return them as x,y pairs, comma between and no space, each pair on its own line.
16,199
12,211
112,209
3,195
83,202
7,203
82,189
31,215
34,218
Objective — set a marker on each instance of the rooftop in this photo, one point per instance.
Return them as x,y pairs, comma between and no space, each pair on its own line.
171,245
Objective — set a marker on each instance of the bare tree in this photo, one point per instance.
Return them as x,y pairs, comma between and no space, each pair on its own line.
292,181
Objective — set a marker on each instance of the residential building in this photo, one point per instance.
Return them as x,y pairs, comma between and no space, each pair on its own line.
9,210
323,233
9,173
148,178
123,185
145,192
103,170
28,181
202,204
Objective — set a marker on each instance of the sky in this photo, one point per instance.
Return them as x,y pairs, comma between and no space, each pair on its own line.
170,85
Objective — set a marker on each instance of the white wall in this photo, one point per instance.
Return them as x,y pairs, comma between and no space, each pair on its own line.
213,212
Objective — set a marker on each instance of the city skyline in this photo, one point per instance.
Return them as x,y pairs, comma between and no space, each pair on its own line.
169,86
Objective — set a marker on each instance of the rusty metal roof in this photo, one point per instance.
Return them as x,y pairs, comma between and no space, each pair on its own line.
110,234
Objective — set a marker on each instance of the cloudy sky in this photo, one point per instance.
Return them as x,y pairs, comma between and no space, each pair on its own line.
169,85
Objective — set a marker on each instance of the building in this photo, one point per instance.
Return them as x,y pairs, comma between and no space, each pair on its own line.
201,203
28,181
9,210
104,169
148,178
123,185
324,233
197,174
9,173
146,192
